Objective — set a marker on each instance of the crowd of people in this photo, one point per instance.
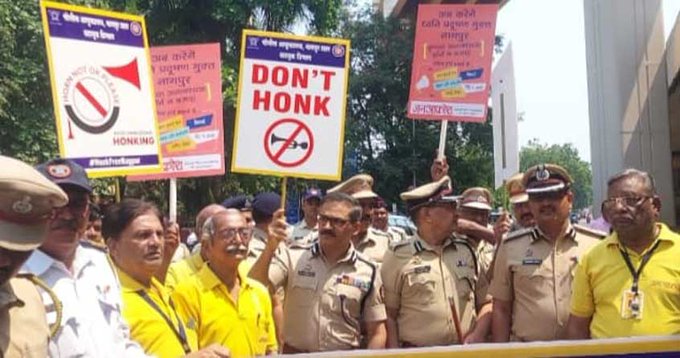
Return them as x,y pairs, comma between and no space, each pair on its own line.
77,280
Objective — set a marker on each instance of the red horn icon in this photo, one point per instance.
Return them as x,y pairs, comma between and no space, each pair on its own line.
128,72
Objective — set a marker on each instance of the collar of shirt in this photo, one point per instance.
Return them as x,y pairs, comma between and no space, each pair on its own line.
7,296
259,234
538,234
129,284
196,260
350,255
422,245
665,235
302,225
210,281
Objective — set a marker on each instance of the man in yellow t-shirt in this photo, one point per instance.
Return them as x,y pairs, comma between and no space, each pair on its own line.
629,284
134,236
225,306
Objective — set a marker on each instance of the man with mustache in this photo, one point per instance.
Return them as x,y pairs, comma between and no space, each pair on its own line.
223,304
183,270
331,289
81,275
27,199
380,222
523,218
370,242
629,284
532,278
264,206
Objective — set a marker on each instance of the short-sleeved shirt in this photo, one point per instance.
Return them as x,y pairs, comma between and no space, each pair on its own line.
535,274
373,245
326,303
602,276
92,322
183,270
422,281
158,329
245,327
24,330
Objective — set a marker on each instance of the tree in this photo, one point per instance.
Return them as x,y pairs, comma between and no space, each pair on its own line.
566,156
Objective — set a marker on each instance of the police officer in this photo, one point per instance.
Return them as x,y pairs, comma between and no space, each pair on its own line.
81,275
531,285
372,243
521,213
473,225
264,206
433,289
331,289
380,222
310,207
26,200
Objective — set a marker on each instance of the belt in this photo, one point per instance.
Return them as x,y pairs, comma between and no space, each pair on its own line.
405,344
288,349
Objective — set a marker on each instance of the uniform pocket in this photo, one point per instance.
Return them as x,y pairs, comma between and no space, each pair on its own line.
420,286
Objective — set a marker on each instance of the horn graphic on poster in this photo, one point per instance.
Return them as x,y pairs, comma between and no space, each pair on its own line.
293,145
128,72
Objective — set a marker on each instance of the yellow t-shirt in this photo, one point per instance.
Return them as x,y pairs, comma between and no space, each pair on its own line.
246,328
182,270
148,326
602,277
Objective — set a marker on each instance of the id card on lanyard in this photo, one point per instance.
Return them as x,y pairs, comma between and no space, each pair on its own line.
632,302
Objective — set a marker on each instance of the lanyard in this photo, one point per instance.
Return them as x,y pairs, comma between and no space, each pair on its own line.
180,333
643,262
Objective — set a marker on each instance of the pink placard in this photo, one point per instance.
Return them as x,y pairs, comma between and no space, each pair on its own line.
188,87
452,62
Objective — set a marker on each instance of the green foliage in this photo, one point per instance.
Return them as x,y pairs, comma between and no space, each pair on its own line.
565,155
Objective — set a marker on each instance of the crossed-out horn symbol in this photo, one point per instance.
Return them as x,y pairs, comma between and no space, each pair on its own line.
293,144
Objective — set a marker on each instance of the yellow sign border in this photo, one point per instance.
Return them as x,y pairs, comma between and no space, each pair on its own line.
97,173
341,145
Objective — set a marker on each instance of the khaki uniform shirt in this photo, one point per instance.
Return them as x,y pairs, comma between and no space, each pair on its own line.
23,327
422,281
535,275
301,231
374,245
326,303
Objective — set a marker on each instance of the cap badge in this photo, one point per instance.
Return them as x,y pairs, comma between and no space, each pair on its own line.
542,173
59,171
23,206
481,199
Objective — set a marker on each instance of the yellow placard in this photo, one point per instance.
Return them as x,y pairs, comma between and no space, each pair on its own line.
172,123
185,143
446,74
457,92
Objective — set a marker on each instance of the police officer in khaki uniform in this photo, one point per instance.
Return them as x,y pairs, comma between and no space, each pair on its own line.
474,208
433,289
521,213
371,242
26,201
380,222
534,267
332,290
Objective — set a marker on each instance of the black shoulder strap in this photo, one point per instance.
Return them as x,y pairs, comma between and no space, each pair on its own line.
374,271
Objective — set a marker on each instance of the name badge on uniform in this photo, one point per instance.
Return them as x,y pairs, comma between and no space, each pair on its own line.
532,261
632,304
306,273
422,269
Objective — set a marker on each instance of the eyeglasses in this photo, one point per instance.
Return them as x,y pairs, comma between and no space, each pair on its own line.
335,222
230,234
626,201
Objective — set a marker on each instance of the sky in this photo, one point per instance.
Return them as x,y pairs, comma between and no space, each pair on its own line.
548,40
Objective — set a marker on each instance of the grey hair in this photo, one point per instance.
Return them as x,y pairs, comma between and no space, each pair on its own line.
644,177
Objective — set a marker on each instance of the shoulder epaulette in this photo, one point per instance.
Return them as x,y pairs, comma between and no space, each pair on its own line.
590,231
396,245
95,245
521,233
379,233
467,246
300,245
